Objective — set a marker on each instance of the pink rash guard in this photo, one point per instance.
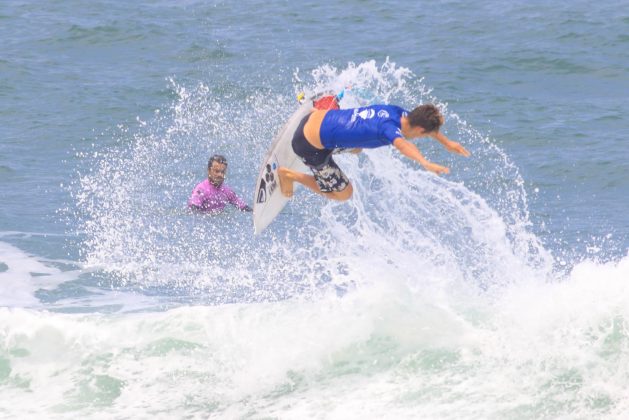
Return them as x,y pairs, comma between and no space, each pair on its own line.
208,197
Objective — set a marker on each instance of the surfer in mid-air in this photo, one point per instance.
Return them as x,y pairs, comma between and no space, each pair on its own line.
322,132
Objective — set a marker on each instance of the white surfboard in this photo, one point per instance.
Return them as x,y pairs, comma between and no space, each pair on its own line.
269,200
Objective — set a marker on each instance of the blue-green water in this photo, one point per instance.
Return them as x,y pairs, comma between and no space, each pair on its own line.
498,291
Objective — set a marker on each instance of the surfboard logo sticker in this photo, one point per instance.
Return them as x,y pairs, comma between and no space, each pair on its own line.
262,192
268,183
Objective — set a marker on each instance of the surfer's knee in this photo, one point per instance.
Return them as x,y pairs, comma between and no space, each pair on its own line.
343,195
286,182
284,173
348,192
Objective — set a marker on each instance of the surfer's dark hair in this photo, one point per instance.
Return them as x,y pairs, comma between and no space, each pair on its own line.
426,116
218,159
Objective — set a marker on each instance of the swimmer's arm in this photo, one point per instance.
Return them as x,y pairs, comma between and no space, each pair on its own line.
411,151
450,146
237,201
196,199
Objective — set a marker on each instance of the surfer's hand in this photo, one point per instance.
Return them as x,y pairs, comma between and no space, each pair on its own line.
355,150
436,169
455,147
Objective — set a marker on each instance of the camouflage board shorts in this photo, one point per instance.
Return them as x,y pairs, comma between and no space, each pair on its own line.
327,174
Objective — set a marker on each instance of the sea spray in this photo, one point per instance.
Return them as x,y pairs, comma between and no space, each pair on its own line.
137,227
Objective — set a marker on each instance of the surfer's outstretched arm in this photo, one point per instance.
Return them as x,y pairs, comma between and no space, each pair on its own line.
450,146
411,151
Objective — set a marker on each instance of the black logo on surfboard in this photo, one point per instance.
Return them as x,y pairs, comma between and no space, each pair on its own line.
268,184
262,192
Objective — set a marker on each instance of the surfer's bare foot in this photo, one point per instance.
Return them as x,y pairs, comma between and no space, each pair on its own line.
286,184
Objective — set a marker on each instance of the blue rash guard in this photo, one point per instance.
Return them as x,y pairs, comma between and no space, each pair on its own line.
367,127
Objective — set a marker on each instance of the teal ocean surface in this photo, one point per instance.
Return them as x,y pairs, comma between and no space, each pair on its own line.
499,291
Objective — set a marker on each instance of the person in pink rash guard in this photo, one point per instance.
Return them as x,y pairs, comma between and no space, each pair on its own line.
212,195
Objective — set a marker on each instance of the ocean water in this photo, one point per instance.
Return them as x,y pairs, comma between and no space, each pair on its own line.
499,291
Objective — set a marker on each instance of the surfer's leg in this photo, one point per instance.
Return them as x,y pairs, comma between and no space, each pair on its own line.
288,176
331,180
344,195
